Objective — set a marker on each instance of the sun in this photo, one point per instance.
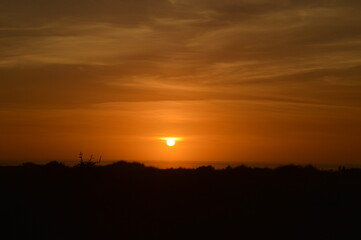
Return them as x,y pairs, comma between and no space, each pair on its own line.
170,142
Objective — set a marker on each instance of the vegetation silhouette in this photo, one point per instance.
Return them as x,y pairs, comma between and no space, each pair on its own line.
88,163
127,200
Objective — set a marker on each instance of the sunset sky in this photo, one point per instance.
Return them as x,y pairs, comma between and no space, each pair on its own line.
246,81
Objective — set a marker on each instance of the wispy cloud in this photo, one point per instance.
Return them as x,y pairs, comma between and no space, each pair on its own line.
89,52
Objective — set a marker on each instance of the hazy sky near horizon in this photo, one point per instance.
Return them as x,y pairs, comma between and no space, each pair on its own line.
251,80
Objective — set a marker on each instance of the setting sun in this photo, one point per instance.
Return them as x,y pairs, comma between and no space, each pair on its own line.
171,142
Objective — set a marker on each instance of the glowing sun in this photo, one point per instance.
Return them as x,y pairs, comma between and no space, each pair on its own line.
170,142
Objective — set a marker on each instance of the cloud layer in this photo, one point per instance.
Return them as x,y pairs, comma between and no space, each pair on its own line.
214,49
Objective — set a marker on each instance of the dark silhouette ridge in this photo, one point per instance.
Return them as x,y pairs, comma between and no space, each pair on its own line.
131,201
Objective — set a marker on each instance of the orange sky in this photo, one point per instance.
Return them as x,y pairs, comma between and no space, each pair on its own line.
238,81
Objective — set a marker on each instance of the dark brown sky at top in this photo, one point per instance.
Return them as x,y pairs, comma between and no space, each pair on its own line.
253,80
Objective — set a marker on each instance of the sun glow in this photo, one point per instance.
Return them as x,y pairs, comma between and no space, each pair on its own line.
170,142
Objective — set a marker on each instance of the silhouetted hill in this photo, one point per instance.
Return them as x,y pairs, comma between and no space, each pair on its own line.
131,201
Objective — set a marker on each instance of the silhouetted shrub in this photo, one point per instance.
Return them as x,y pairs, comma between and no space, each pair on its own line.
30,165
55,165
87,163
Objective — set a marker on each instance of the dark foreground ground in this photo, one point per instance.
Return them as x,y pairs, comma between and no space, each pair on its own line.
130,201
